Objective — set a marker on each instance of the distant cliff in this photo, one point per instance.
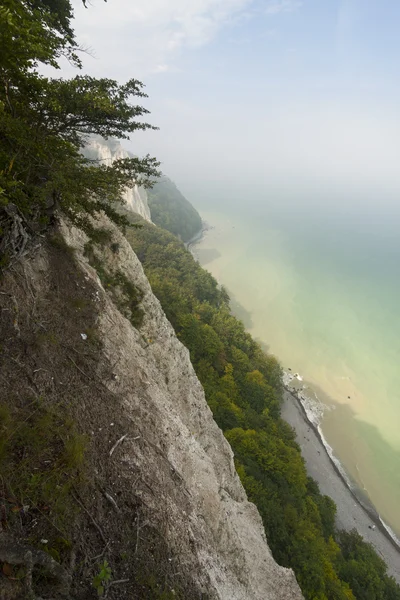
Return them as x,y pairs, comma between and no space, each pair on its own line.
163,204
106,151
172,211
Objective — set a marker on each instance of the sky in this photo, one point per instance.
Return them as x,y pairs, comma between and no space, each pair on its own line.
292,99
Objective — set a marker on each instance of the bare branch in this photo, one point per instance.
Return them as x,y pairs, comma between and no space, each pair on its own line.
117,443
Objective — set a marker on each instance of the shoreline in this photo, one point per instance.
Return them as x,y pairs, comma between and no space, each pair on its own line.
370,510
197,236
351,511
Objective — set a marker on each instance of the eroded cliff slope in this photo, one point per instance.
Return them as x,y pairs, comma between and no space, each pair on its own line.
160,499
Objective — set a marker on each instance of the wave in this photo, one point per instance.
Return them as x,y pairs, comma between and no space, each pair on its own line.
335,460
314,410
390,531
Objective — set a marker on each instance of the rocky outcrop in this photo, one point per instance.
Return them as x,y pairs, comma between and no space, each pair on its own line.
191,483
106,152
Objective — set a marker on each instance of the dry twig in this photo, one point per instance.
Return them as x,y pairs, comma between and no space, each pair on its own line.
112,501
117,443
79,369
28,576
118,582
138,529
99,529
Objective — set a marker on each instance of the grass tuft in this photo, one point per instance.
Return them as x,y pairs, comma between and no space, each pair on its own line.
126,295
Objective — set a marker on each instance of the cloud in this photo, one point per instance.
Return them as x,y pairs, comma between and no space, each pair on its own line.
162,69
149,33
275,7
166,68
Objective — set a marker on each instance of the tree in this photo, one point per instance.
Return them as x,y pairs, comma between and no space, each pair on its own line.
44,123
259,394
243,387
361,567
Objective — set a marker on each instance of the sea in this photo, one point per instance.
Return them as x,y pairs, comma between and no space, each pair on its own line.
322,293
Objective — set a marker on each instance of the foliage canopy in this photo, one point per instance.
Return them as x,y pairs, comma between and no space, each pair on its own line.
171,211
243,388
44,122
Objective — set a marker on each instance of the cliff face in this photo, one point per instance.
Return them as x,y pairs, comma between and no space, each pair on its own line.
178,447
159,498
107,151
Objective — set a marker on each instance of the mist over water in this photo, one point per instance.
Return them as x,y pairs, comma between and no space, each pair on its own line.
321,288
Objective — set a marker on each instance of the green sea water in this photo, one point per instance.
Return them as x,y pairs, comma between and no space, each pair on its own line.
323,296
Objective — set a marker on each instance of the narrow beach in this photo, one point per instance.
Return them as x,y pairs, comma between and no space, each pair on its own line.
350,514
197,236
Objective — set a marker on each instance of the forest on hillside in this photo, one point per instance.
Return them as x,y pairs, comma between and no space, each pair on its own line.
44,122
243,387
171,211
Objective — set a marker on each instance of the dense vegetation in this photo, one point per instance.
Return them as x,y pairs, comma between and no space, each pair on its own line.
170,210
243,387
51,394
44,122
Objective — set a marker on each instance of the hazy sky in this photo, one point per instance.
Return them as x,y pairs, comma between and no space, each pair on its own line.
264,98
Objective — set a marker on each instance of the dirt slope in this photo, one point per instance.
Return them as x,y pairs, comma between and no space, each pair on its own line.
109,451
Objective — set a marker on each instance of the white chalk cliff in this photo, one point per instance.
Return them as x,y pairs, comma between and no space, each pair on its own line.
178,446
106,152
